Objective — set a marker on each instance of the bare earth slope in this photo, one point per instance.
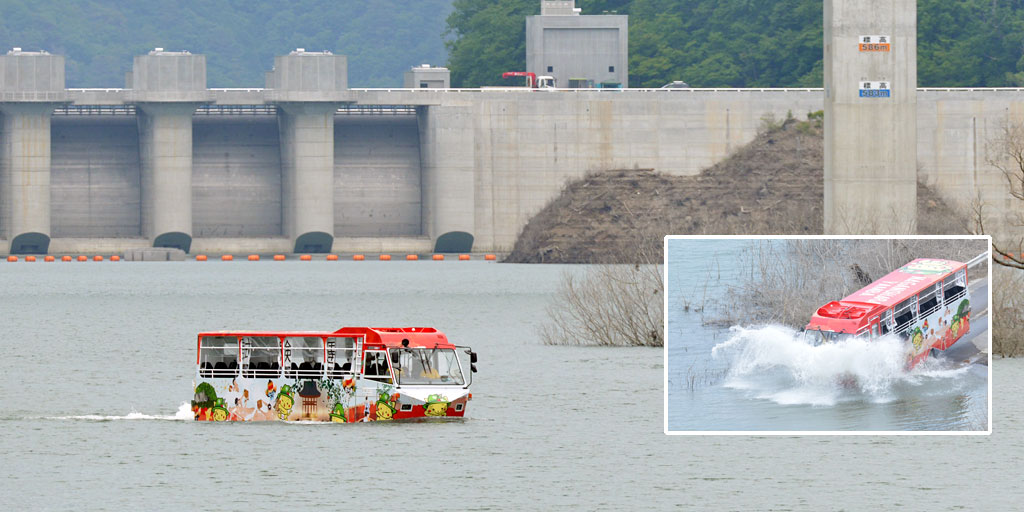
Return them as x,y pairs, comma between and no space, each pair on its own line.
774,185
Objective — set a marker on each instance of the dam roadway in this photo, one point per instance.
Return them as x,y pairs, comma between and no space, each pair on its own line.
310,165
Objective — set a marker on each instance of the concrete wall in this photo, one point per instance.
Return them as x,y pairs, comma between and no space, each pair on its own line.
376,176
529,144
95,190
480,163
236,177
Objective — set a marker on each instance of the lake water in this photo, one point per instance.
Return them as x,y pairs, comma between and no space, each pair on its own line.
757,377
98,358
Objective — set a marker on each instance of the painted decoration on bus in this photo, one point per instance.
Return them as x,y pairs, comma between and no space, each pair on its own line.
925,266
355,374
874,43
875,90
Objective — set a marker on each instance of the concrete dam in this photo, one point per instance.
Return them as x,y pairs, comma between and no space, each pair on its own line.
307,164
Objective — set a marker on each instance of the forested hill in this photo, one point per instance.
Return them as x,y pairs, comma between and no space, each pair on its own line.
382,38
747,43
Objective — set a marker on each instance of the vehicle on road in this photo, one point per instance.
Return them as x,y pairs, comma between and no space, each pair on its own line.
925,302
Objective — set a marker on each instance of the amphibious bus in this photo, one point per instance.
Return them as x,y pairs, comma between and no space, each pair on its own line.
354,374
925,302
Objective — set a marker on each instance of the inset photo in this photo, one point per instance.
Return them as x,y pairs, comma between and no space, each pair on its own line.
827,335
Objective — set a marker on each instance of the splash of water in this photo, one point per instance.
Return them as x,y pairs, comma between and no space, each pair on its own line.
183,413
775,363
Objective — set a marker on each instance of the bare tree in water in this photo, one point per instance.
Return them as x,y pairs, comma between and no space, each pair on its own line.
610,305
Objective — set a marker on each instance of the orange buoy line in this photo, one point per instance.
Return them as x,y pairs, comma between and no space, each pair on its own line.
97,258
411,257
385,257
12,258
30,258
279,257
254,257
358,257
332,257
227,257
490,257
82,257
463,257
115,258
65,258
201,257
305,257
48,258
438,257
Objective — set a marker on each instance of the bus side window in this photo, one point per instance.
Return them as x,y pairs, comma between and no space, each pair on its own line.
874,330
218,356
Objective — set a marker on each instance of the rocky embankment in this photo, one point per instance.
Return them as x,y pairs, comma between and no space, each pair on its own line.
774,185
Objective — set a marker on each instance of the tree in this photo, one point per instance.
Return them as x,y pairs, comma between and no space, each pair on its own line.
1006,153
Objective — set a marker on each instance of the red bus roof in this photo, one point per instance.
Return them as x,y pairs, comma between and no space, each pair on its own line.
383,337
855,311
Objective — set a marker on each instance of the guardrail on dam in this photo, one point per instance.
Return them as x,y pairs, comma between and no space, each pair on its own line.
309,167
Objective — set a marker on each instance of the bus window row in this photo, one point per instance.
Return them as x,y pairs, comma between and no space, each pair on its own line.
944,293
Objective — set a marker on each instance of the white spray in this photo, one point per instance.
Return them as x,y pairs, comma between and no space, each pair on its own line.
775,363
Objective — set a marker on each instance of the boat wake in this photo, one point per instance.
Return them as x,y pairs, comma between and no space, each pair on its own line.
184,413
774,363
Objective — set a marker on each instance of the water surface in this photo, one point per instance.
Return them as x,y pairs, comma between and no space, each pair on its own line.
98,357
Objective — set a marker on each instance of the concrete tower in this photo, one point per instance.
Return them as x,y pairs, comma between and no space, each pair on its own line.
166,88
31,86
308,88
578,50
870,116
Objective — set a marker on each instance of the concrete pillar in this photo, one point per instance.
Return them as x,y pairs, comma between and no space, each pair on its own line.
166,88
31,86
449,177
870,116
307,174
165,140
25,176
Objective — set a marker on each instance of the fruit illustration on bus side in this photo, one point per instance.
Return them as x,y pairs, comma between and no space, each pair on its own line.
284,402
338,414
220,413
916,338
436,405
385,409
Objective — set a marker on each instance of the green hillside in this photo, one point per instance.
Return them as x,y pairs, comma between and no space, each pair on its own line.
747,43
382,38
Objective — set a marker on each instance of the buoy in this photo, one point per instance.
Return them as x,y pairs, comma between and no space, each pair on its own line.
332,257
359,257
65,258
227,257
438,257
490,257
12,258
385,257
115,258
254,257
463,257
97,258
305,257
200,257
48,258
411,257
30,258
279,257
82,257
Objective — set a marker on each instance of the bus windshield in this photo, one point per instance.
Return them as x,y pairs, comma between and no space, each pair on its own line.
423,366
817,336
